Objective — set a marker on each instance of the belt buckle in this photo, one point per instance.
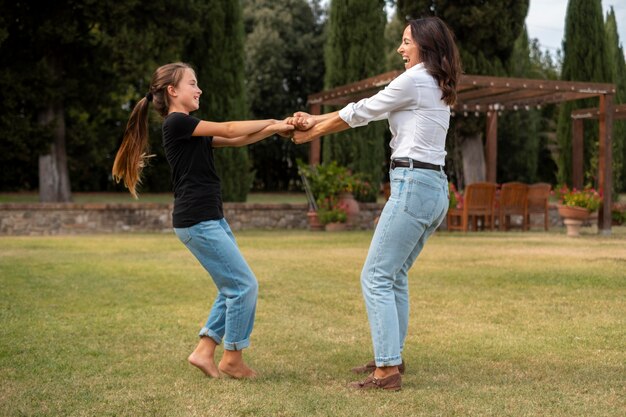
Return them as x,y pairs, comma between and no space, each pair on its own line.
394,163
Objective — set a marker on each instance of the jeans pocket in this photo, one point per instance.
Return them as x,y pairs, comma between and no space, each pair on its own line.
183,234
398,186
423,201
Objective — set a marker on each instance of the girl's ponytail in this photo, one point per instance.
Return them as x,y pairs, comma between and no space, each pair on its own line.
132,156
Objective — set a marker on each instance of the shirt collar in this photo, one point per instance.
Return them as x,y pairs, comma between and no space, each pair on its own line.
417,67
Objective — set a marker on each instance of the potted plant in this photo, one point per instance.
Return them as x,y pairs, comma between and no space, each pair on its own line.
363,189
329,184
333,216
575,206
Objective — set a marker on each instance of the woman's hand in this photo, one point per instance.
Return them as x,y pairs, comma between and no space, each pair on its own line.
301,136
303,121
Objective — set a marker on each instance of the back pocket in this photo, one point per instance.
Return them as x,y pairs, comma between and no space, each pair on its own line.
423,200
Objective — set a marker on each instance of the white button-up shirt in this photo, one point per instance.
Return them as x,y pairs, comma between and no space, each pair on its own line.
418,117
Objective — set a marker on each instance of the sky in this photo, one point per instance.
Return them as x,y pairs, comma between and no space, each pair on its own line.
546,21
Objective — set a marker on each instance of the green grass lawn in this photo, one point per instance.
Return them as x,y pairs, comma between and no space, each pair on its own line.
262,198
502,324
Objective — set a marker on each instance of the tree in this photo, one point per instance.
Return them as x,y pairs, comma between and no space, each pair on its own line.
585,58
518,139
355,50
544,65
284,63
618,76
486,31
62,95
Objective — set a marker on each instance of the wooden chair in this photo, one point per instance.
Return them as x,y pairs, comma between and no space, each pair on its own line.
478,203
513,202
538,196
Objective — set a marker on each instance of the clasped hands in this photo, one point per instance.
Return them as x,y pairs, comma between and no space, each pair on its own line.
299,123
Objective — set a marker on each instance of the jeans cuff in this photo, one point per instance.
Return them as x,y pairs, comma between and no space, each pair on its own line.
206,332
388,361
242,344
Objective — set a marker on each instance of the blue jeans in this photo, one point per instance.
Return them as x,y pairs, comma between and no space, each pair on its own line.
416,207
232,315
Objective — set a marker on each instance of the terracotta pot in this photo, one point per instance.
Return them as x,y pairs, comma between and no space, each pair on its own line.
352,208
336,227
573,227
314,222
574,213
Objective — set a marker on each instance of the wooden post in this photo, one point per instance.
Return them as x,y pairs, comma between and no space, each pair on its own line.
605,176
315,148
492,146
577,153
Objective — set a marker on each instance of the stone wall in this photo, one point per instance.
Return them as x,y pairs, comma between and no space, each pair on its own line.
71,218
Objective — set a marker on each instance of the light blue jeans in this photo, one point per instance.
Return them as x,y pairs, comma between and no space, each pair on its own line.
416,207
232,316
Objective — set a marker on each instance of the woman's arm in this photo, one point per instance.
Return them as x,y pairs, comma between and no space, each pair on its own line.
231,129
396,95
277,127
399,93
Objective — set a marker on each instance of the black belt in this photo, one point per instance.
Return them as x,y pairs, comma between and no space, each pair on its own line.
406,163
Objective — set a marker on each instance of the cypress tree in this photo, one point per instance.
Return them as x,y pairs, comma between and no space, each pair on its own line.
485,31
618,76
585,58
217,54
355,50
284,64
518,139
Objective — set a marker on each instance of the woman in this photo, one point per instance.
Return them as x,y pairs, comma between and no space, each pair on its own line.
417,107
198,216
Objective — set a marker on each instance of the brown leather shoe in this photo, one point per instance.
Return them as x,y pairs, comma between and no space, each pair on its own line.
370,367
390,383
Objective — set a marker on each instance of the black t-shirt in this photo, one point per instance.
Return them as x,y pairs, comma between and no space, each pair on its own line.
197,190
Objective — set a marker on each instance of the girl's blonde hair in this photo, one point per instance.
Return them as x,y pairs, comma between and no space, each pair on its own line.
133,156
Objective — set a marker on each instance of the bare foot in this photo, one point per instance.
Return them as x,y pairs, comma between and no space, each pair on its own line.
237,371
206,365
203,357
232,365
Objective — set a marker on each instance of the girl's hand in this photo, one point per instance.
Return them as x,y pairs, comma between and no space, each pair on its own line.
283,128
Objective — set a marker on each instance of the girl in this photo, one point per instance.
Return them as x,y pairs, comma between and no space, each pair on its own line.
417,105
198,215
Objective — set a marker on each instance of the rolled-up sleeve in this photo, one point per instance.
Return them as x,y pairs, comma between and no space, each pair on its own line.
399,93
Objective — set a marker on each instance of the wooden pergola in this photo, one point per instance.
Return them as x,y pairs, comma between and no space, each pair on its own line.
492,95
578,116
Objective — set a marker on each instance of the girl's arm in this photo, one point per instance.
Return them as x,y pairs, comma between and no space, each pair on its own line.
277,127
231,129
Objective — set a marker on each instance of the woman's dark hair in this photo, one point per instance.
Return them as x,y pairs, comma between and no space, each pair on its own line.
133,156
438,52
